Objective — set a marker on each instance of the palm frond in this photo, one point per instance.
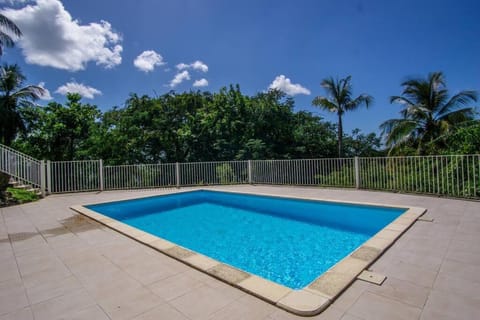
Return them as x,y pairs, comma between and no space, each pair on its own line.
398,131
9,25
325,104
458,116
363,99
29,92
460,99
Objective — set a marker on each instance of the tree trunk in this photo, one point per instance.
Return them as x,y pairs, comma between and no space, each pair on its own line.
340,136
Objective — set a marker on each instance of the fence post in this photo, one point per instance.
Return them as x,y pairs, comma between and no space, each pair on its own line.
177,174
42,177
49,177
250,180
357,173
100,172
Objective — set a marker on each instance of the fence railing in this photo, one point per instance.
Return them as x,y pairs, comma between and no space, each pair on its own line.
74,176
453,176
212,173
139,176
22,167
338,172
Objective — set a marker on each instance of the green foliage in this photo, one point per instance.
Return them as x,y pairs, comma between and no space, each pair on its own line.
465,140
22,196
456,176
225,174
4,179
13,96
428,115
183,127
339,100
58,132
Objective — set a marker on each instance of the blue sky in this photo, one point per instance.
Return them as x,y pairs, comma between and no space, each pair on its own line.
90,46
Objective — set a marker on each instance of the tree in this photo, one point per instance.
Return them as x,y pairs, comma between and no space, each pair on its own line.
339,100
58,132
12,97
427,114
7,29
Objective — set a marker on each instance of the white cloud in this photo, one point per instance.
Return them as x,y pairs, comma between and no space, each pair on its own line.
13,2
179,78
197,65
52,38
201,83
75,87
182,66
285,84
148,60
46,93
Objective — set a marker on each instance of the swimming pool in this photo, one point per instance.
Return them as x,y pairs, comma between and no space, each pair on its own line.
293,243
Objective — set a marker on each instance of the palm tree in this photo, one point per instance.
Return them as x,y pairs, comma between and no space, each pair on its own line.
7,28
13,95
428,113
340,100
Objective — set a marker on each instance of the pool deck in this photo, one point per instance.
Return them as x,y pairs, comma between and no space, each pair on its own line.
56,264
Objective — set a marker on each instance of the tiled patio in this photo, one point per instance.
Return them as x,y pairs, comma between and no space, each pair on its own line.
55,264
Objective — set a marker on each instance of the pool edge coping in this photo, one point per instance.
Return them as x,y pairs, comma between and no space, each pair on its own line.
308,301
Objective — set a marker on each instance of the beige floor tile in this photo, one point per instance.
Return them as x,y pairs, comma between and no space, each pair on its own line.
109,283
175,286
90,313
164,311
452,284
146,268
129,303
460,270
52,289
8,269
402,291
63,306
441,305
12,296
203,302
371,306
351,295
411,273
22,314
467,257
348,316
446,246
246,307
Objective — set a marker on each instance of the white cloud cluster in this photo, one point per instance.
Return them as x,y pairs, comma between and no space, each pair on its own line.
179,78
201,83
197,65
284,84
14,2
182,75
148,60
46,93
75,87
52,38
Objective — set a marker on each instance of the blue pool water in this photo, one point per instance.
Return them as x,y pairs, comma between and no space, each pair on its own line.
287,241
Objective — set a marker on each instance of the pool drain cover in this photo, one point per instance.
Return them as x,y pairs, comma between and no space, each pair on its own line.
372,277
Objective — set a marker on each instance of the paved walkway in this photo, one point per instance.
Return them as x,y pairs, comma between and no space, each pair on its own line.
55,264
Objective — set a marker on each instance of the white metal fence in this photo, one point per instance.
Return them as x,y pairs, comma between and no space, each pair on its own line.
74,176
139,176
212,173
454,176
22,167
338,172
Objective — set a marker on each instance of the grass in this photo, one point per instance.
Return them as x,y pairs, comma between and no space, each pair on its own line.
22,196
